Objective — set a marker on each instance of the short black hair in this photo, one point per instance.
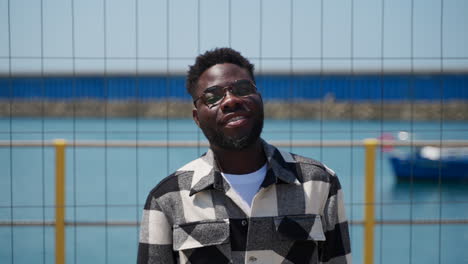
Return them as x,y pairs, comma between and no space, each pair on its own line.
211,58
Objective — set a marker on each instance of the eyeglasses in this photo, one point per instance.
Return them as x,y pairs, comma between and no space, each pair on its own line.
214,95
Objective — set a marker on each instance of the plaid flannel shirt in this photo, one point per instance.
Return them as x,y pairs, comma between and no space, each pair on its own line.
297,216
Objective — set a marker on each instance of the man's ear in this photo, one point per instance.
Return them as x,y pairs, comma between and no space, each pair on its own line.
195,116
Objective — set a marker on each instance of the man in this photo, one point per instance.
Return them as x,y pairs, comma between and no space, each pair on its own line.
244,201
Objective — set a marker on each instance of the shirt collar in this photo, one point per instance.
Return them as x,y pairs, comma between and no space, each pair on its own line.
281,169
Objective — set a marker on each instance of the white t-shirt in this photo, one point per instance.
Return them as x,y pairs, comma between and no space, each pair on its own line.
246,185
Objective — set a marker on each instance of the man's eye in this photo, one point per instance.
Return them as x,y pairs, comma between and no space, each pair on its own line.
211,98
243,90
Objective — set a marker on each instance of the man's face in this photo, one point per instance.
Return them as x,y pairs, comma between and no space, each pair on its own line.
236,122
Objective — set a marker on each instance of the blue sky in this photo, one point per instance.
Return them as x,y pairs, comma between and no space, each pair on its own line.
160,36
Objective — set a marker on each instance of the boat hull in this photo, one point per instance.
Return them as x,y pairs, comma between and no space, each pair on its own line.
418,168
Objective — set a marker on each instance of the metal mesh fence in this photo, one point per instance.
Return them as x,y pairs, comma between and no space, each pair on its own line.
113,71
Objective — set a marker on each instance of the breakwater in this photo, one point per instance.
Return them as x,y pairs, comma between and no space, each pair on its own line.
274,109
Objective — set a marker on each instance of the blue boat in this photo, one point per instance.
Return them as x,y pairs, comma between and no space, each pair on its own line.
431,163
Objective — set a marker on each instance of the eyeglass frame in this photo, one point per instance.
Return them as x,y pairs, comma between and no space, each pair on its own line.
226,87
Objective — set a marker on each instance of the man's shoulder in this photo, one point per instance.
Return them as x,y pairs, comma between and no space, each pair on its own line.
177,181
315,172
312,169
312,162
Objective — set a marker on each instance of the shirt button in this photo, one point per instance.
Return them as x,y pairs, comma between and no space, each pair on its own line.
252,259
244,223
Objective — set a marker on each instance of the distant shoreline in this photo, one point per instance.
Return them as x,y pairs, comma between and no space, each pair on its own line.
456,110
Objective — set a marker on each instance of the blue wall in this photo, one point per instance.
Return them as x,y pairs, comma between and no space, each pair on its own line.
342,88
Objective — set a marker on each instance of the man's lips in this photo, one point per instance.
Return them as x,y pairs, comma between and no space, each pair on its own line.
235,120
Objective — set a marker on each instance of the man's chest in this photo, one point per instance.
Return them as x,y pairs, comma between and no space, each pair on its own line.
281,220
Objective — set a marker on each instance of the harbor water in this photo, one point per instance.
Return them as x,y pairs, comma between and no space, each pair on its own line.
108,184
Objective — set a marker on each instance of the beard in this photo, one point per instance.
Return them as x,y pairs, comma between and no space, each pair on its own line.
216,137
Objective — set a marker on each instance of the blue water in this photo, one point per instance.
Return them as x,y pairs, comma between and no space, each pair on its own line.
112,184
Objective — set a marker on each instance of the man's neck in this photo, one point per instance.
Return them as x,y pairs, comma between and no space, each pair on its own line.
242,161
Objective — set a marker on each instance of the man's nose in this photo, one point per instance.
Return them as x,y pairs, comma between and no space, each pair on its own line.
230,102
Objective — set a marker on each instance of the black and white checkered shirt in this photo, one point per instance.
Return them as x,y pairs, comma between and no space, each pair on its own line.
297,216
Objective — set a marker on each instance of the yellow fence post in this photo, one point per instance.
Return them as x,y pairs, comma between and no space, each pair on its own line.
369,213
60,145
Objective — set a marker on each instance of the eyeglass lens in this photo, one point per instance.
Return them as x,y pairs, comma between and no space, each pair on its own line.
215,94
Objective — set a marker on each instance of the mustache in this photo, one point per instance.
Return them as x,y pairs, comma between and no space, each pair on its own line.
238,108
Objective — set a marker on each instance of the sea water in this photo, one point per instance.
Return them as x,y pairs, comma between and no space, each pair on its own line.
110,184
